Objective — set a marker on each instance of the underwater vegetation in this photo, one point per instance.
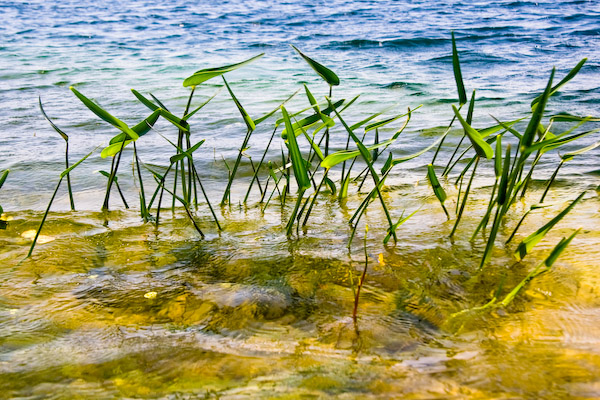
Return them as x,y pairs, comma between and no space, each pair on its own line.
305,170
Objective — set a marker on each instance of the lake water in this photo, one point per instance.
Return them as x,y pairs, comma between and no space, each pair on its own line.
248,312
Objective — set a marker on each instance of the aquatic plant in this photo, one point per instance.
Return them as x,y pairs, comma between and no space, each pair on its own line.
62,176
66,139
3,223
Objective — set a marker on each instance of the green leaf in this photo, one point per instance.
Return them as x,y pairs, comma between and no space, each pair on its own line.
107,175
191,113
538,112
401,220
379,124
103,114
556,142
178,122
328,75
249,123
417,154
462,94
60,132
314,145
569,156
503,187
3,177
72,167
565,117
298,164
141,129
205,74
309,120
312,100
482,148
558,249
267,115
439,191
530,241
186,154
331,186
334,159
566,79
114,148
498,158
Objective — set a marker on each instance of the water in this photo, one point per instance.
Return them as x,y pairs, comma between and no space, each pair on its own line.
248,312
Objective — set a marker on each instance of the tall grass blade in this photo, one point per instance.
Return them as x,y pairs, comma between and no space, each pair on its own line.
328,75
530,241
208,73
462,94
105,115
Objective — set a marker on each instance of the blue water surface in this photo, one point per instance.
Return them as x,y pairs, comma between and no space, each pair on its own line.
390,52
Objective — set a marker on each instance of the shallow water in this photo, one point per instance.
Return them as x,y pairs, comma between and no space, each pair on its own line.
249,313
109,307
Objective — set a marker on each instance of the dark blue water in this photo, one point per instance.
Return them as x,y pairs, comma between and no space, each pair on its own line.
388,51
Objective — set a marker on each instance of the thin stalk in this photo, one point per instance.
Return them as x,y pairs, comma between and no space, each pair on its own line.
442,141
514,232
254,177
327,129
486,217
447,168
290,224
490,243
37,234
212,211
121,194
69,176
314,199
111,178
227,196
551,181
142,191
362,280
465,197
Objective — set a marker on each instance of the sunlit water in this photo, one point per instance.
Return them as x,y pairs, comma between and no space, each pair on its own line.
127,310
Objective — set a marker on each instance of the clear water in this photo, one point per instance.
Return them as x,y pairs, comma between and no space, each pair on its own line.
249,312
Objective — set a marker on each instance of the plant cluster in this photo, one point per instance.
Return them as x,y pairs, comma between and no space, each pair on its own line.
306,135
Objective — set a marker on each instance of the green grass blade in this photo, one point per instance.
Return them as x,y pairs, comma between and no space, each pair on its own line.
503,187
482,148
267,115
530,241
105,115
114,148
397,224
208,73
462,94
141,129
298,164
556,142
498,157
191,113
566,79
569,156
438,190
3,177
558,249
249,122
328,75
72,167
56,128
308,120
418,153
186,154
538,112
